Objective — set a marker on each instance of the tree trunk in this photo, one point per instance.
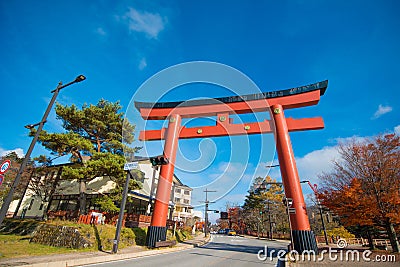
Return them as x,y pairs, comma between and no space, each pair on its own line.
370,240
82,196
392,236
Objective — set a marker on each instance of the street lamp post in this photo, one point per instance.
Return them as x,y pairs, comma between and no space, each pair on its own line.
270,222
7,201
121,213
206,211
134,165
314,189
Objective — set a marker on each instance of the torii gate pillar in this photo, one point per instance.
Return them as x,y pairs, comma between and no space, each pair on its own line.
302,236
157,229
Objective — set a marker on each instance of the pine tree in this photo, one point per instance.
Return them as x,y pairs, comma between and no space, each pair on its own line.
264,203
93,139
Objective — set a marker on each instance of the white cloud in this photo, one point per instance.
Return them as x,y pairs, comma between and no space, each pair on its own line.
381,111
316,162
354,138
142,64
309,166
149,23
101,31
397,129
19,151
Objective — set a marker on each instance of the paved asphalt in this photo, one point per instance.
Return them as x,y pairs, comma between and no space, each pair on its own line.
220,251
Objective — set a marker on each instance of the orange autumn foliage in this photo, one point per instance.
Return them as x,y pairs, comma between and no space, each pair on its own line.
351,204
364,187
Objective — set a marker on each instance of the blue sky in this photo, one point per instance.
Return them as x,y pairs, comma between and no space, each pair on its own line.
118,45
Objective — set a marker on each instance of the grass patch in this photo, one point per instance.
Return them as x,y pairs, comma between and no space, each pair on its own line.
14,241
19,246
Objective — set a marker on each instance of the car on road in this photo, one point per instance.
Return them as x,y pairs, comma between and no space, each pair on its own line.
230,232
221,232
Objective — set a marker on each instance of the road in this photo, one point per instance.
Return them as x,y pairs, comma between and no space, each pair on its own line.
220,251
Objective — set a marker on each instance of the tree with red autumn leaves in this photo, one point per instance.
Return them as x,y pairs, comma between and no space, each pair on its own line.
364,186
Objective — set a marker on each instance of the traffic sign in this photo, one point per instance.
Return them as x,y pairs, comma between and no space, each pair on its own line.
292,210
131,166
1,179
5,166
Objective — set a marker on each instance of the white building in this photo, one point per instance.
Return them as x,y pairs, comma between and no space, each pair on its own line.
66,196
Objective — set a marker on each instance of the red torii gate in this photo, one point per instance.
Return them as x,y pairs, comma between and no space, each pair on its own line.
277,102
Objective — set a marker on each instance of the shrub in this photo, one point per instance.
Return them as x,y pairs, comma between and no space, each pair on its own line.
140,236
182,235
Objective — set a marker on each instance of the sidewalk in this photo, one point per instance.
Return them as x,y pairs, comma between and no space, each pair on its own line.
83,258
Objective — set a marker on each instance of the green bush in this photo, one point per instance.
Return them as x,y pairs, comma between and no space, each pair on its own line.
128,236
105,234
140,236
182,235
170,235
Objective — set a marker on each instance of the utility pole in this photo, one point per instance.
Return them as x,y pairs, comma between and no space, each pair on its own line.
206,211
8,199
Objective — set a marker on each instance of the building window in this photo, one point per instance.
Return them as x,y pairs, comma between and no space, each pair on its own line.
187,192
41,206
186,201
178,190
177,200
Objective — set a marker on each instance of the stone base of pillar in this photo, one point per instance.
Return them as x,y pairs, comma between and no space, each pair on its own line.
155,234
304,241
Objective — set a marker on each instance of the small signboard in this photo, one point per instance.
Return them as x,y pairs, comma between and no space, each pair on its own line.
292,211
5,166
1,179
131,166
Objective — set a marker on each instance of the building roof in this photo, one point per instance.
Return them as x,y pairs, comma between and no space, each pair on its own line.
179,183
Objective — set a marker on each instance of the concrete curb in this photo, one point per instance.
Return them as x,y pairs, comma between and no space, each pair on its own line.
115,257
